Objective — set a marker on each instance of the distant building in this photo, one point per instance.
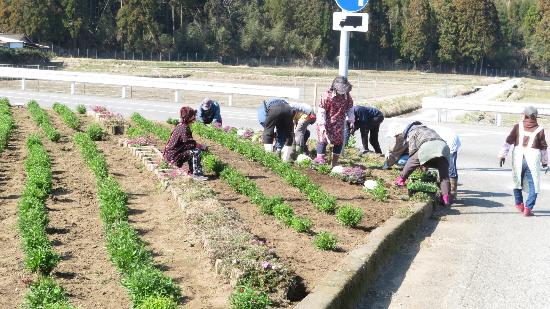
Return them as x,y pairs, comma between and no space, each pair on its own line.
10,40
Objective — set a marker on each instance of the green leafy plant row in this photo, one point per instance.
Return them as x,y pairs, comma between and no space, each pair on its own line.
68,116
322,200
147,126
147,285
32,221
6,123
42,119
268,205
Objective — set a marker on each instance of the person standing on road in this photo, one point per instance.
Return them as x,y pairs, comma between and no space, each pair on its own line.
335,105
367,120
209,112
181,146
276,114
530,152
303,117
427,149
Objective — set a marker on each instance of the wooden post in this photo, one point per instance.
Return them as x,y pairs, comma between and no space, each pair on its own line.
230,100
177,96
124,92
73,87
23,84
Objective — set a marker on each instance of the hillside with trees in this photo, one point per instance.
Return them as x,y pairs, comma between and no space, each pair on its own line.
480,33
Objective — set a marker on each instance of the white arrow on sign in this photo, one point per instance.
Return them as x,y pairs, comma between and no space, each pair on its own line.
361,2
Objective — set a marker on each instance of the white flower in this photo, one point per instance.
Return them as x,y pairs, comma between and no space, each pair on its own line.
339,169
240,132
370,184
302,158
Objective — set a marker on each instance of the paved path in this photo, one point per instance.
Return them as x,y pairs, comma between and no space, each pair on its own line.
482,253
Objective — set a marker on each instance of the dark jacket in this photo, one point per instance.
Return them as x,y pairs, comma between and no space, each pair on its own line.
211,115
177,149
365,115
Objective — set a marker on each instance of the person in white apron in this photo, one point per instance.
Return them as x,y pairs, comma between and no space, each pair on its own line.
528,155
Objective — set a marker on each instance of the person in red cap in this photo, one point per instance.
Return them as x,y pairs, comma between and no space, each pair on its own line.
530,152
209,112
303,117
181,146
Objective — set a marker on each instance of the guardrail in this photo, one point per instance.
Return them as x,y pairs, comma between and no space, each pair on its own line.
147,82
442,105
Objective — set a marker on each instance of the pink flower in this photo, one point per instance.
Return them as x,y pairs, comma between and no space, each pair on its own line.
266,265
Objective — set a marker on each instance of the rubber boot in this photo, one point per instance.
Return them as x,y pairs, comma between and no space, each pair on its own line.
286,153
268,147
527,212
320,159
520,207
446,200
335,158
454,183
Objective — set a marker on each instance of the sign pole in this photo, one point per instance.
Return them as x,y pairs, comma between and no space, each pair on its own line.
344,54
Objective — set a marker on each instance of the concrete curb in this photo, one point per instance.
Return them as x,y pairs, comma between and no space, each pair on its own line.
343,287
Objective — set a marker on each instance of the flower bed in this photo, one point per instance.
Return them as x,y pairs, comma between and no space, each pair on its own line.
144,281
6,123
33,220
42,119
67,115
236,254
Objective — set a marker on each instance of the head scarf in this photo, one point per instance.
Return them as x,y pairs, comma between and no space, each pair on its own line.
186,114
341,85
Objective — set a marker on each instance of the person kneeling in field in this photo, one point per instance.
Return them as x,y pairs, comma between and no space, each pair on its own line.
426,149
209,112
181,146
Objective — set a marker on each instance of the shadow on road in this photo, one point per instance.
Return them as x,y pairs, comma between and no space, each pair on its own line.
381,290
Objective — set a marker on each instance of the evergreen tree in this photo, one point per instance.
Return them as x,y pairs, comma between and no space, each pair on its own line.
541,39
447,27
479,30
137,28
418,32
39,19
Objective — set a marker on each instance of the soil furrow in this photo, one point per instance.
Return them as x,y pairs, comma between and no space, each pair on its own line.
13,276
75,229
162,226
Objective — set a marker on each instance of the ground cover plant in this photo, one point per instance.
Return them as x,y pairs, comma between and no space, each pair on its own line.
42,119
6,123
67,115
323,201
129,254
33,220
268,205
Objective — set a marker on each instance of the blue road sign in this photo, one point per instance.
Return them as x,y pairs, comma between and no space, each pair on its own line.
352,5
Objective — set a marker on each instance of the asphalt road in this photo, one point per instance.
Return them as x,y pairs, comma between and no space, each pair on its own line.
480,254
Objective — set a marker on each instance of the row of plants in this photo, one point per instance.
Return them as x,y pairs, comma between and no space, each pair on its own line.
32,222
6,122
68,116
42,119
322,200
147,126
229,137
268,205
147,285
262,279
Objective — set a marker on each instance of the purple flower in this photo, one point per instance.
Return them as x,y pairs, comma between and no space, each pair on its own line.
266,265
217,125
99,109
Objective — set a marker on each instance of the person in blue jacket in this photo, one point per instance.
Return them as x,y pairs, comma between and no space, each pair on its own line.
367,120
209,112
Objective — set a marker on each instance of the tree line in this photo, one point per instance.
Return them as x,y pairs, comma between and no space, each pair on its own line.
502,33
